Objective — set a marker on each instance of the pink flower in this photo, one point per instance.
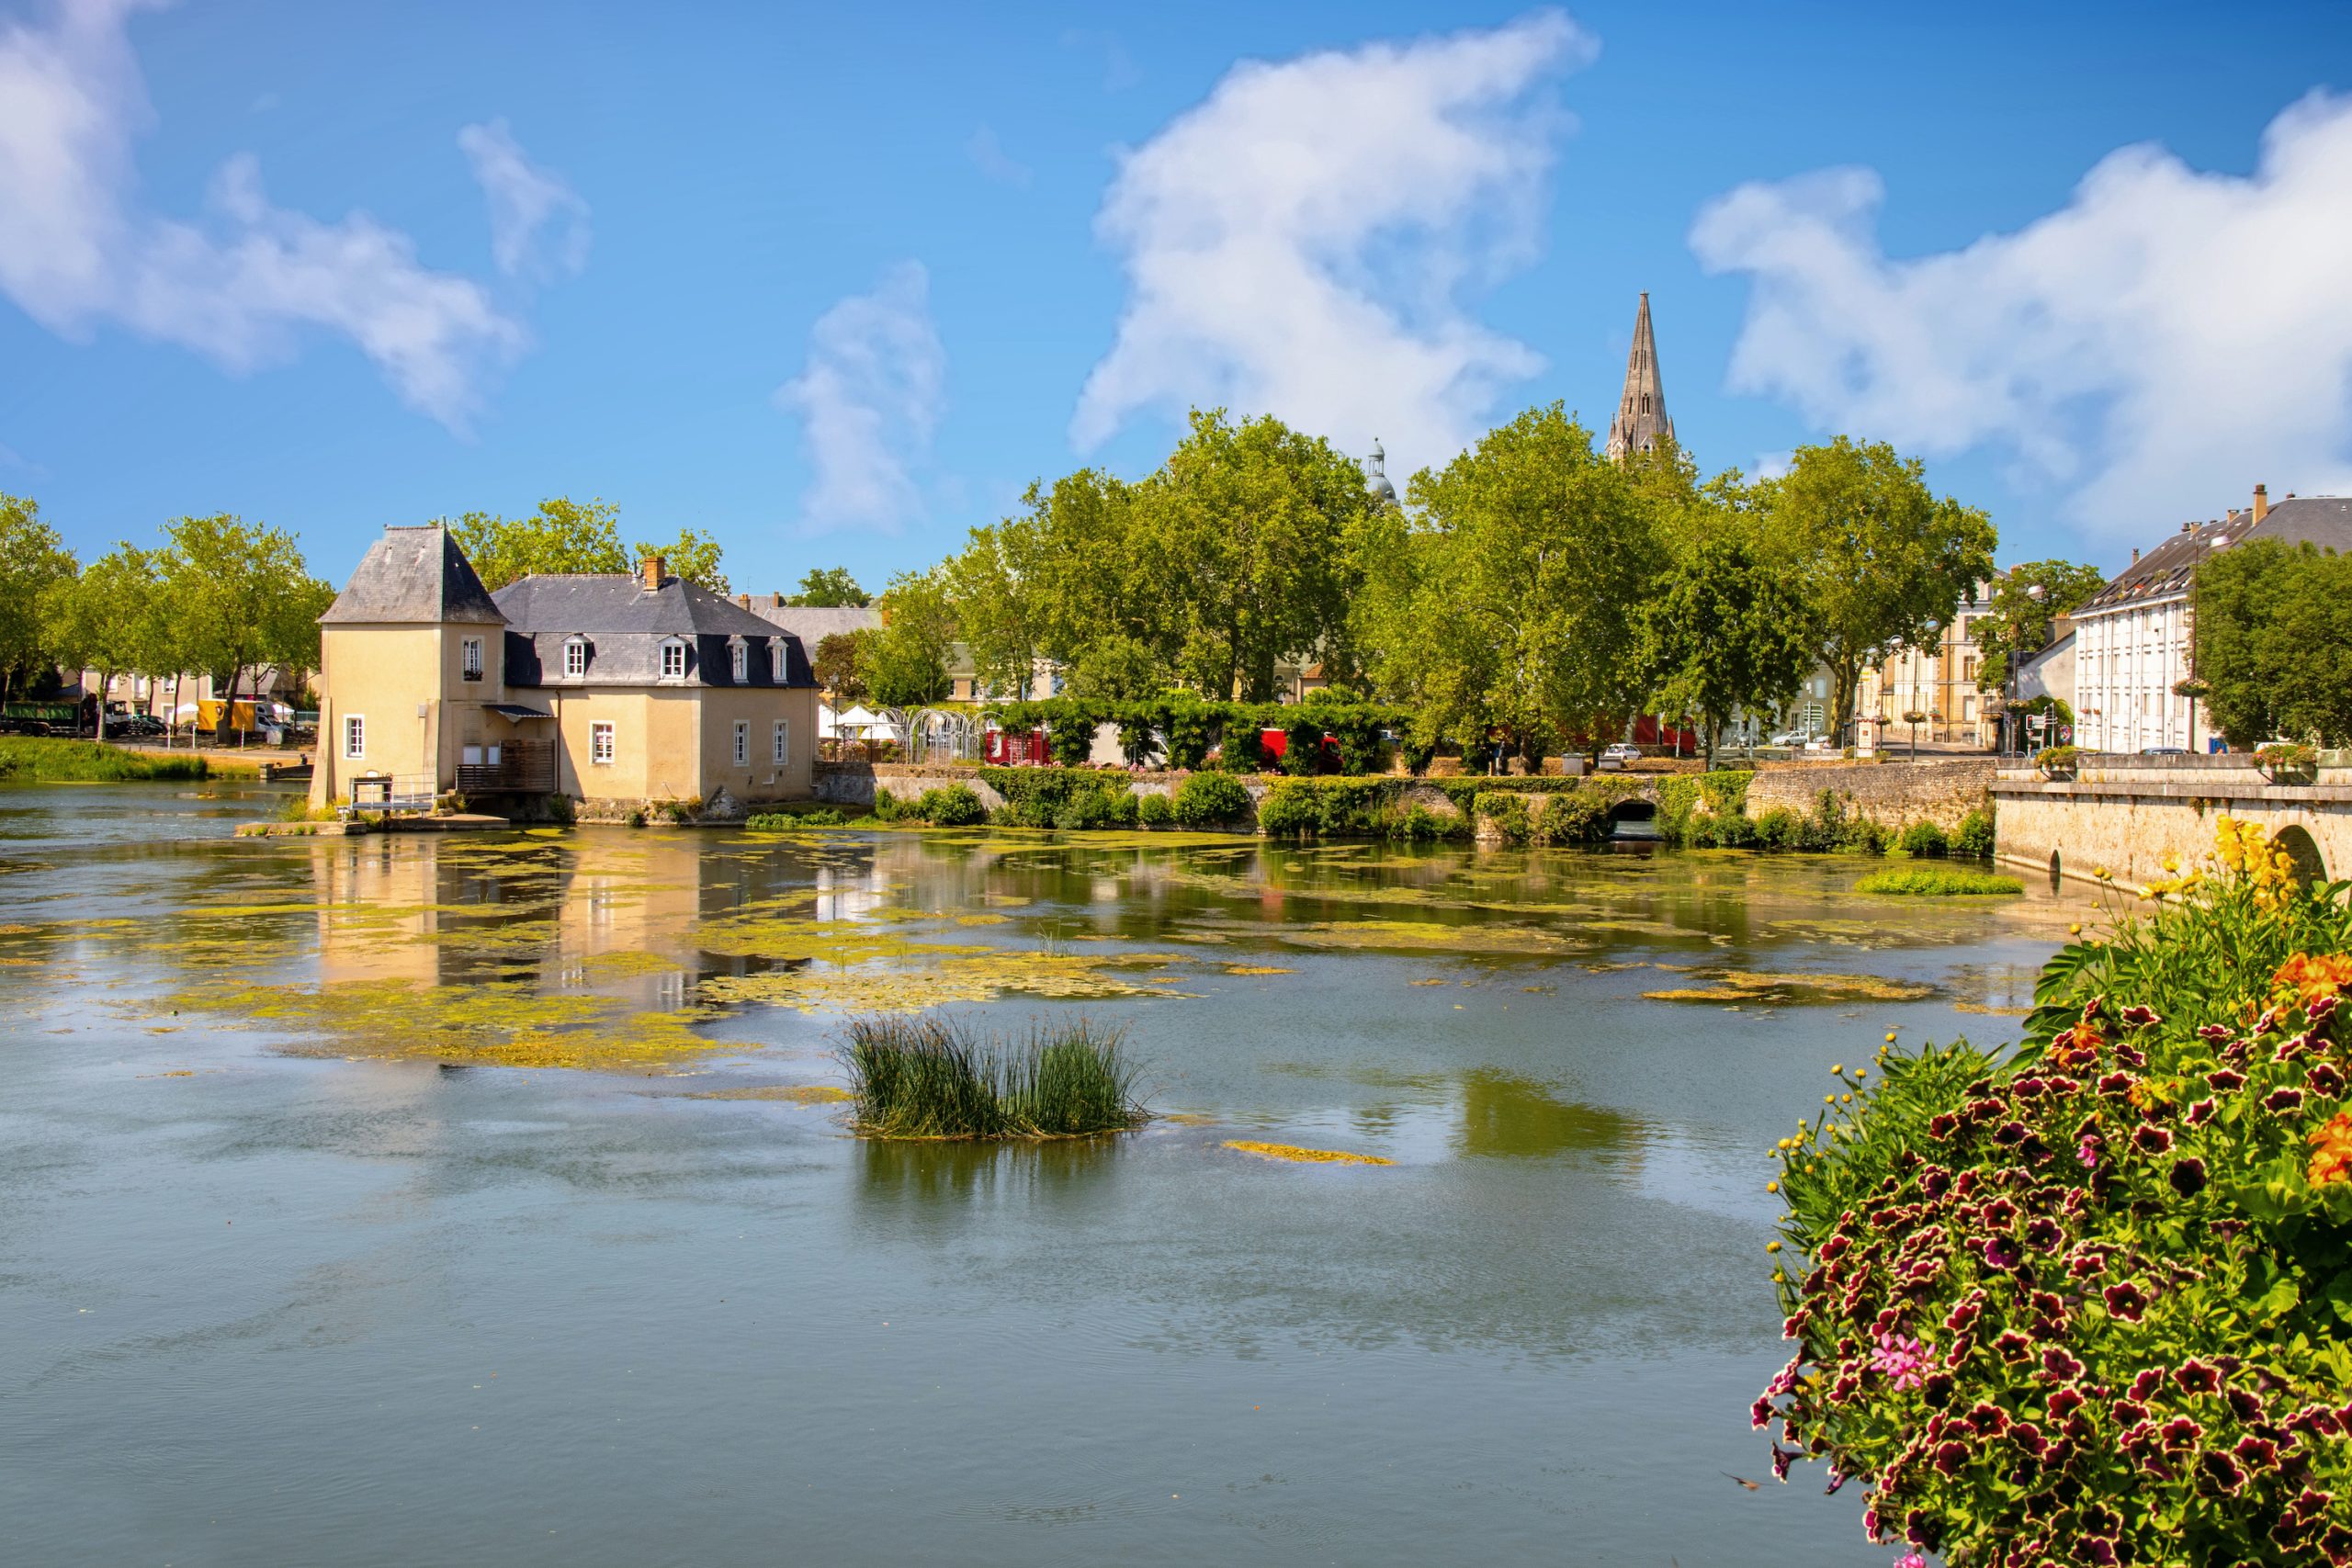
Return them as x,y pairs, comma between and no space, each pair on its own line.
1903,1358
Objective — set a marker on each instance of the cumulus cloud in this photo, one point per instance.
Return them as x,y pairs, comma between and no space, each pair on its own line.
1297,242
538,225
868,402
243,285
2151,349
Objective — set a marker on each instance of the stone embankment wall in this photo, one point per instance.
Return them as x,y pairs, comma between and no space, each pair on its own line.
1894,793
2127,814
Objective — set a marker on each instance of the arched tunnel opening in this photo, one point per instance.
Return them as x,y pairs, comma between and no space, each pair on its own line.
1635,820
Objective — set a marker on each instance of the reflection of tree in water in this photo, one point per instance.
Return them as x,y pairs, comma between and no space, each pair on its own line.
1503,1114
930,1186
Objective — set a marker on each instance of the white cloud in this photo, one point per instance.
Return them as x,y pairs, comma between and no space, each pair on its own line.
2154,347
240,287
1296,245
868,402
526,200
988,156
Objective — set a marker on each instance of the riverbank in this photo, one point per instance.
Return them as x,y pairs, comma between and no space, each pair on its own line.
31,760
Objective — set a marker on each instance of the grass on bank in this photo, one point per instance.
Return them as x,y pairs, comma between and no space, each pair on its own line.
1938,882
30,759
938,1078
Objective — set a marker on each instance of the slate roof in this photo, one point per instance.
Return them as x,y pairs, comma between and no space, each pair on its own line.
413,575
2165,572
626,626
813,624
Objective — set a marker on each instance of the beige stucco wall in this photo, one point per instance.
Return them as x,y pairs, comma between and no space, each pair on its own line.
678,743
385,674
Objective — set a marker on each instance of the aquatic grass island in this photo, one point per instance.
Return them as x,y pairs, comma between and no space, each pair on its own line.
941,1078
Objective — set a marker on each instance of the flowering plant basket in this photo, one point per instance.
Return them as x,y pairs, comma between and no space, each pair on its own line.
2056,762
2090,1300
2287,760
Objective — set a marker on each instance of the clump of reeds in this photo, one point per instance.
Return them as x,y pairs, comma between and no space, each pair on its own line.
938,1078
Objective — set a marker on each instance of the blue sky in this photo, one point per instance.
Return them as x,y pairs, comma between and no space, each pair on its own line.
836,286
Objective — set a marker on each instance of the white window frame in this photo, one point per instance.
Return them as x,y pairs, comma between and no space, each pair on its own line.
782,742
355,738
469,657
742,742
674,647
777,670
740,658
575,658
600,743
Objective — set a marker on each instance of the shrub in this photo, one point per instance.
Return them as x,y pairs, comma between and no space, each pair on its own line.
1974,839
790,822
1418,754
951,805
936,1078
1303,748
1070,742
2057,759
889,807
1779,829
1153,811
2289,757
1938,881
1291,809
1923,838
636,818
2092,1302
683,811
1508,812
1211,800
1419,825
1243,750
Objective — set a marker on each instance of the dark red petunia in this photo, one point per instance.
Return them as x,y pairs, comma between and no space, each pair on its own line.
2056,1362
2201,1112
2126,1303
2225,1080
2222,1471
2044,1233
2013,1346
2197,1377
2188,1177
2150,1140
2279,1101
2180,1432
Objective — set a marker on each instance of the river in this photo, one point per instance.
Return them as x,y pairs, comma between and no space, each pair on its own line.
482,1198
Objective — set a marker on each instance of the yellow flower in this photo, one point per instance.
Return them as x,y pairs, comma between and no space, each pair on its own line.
2104,874
1771,1247
1839,1068
1771,1186
2075,928
2170,862
1890,1038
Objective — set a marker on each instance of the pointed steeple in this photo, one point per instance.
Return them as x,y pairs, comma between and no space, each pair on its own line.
1641,417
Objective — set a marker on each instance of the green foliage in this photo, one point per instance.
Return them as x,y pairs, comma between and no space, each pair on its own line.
1154,811
1877,557
937,1078
903,662
1507,812
1303,747
2274,642
792,821
239,596
1938,882
2091,1301
1211,800
28,758
829,587
1725,632
1694,808
563,535
33,561
2022,621
1115,668
1509,603
1069,739
112,617
694,556
2057,759
2292,757
951,805
1291,809
835,664
1068,799
1924,840
1974,839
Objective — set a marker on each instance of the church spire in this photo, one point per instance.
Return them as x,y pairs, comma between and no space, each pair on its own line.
1641,412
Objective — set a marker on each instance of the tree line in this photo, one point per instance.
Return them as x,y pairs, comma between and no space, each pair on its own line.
1531,594
215,595
2273,643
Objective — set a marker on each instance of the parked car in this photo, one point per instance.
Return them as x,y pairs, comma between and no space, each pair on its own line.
2163,750
1789,738
1620,753
133,725
1821,743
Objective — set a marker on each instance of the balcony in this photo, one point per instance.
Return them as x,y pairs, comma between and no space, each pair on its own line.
524,767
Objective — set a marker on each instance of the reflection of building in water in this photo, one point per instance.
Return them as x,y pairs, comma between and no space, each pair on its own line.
844,894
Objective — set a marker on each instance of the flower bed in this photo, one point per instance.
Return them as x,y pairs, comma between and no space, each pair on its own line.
2088,1300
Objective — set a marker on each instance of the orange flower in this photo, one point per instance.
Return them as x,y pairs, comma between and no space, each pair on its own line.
2332,1141
2306,979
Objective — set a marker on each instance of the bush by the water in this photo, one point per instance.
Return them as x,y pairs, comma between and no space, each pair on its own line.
1924,840
2089,1301
24,759
1938,882
1211,800
786,821
1974,839
1154,811
938,1078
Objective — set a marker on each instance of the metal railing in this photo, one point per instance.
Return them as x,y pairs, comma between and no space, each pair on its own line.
392,794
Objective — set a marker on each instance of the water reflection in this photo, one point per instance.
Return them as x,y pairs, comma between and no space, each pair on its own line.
1505,1115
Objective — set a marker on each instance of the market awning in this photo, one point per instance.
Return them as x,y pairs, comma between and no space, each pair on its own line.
513,713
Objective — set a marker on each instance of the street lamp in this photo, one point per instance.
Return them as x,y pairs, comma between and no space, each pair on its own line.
1914,718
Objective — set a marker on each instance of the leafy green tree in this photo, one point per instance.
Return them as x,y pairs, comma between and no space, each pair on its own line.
1509,600
2274,642
33,560
904,660
829,588
111,618
1880,559
242,597
1250,530
563,535
1725,633
1116,668
994,600
835,664
694,556
2021,623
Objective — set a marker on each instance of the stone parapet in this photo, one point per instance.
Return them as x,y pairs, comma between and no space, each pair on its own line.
1893,794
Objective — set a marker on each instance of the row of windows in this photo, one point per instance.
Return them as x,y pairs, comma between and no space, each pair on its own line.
674,661
600,742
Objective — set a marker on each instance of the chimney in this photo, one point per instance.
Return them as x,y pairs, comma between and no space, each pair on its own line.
2135,554
745,600
2261,503
649,569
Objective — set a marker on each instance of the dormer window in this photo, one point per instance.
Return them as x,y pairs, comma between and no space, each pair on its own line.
739,661
673,659
575,656
775,660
